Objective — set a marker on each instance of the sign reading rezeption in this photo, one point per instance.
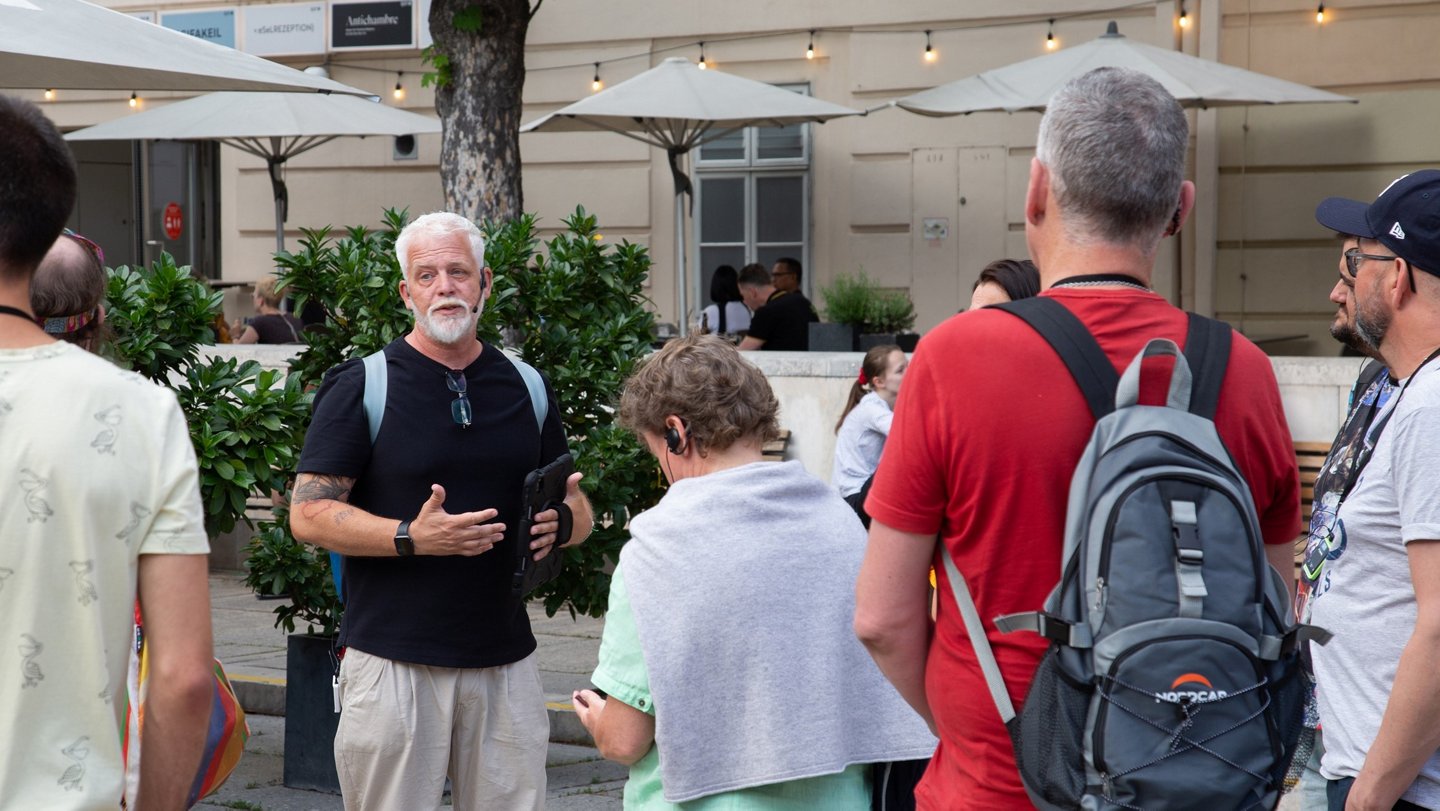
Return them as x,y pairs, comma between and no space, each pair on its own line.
288,29
388,24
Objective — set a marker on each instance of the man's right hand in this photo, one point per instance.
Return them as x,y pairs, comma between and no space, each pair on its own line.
436,532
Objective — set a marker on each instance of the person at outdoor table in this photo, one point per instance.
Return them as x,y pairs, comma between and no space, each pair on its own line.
732,683
270,326
728,315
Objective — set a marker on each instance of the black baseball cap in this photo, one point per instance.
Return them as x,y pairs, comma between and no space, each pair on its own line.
1405,218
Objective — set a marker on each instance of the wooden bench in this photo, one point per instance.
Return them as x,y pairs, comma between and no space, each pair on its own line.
1310,456
774,450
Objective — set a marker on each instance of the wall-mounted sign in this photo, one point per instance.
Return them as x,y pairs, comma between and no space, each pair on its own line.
289,29
370,25
215,25
173,221
147,16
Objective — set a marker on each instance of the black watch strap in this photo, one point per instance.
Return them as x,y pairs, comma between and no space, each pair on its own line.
404,547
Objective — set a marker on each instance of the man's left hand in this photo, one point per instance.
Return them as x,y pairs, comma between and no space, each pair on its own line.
547,522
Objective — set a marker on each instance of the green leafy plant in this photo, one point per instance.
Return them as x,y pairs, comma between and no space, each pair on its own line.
579,312
243,419
857,300
160,317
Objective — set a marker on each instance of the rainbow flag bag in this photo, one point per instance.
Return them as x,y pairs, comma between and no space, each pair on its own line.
224,741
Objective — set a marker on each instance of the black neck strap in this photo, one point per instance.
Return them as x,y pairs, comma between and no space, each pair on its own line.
1100,278
17,312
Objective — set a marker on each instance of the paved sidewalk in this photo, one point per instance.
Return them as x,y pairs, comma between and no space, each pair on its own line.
253,651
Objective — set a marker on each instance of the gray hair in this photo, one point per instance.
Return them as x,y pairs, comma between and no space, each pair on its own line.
439,223
1114,141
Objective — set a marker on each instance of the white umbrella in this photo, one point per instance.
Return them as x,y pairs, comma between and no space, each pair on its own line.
273,126
1028,85
71,44
677,107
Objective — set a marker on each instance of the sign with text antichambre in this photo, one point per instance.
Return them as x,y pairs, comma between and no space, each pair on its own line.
285,29
372,25
215,25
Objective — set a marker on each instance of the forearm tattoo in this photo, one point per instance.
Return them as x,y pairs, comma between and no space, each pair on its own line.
317,486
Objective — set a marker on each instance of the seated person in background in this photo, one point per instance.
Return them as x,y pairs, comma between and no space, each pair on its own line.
728,315
731,681
864,424
68,289
270,326
1005,280
782,317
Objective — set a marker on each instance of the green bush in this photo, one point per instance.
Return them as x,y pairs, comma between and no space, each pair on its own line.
244,420
576,312
857,300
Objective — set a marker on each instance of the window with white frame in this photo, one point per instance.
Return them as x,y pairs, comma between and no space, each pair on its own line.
752,195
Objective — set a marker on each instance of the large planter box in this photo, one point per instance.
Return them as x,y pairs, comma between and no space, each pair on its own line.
825,337
870,340
310,717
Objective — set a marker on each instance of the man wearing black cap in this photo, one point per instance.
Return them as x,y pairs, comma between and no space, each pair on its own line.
1378,584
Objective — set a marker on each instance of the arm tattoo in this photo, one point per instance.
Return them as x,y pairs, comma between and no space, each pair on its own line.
317,487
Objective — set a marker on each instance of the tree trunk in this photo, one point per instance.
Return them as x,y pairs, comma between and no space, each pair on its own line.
480,105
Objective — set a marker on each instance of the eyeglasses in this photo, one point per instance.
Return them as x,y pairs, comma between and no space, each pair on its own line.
783,273
1354,256
460,408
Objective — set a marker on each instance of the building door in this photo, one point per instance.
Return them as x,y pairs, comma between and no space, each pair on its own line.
105,205
181,205
960,225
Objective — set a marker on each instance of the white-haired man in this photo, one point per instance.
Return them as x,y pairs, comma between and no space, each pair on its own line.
990,474
439,675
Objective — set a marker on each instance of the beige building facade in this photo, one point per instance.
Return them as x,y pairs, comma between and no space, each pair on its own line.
920,204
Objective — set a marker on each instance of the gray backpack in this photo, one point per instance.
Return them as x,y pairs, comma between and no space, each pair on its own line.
1172,680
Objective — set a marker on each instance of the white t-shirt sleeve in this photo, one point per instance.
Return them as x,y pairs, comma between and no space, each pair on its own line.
1416,440
178,525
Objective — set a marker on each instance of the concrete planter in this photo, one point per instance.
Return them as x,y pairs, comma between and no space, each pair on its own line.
310,717
826,337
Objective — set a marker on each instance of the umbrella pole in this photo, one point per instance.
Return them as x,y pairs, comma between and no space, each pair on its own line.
680,274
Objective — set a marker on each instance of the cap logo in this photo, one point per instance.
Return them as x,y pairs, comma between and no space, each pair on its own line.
1397,232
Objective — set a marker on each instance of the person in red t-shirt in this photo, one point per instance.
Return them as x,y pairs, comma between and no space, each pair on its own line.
990,425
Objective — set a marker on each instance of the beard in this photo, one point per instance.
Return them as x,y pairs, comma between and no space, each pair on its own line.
447,330
1372,323
1342,330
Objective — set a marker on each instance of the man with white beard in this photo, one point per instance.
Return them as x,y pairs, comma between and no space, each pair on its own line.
439,674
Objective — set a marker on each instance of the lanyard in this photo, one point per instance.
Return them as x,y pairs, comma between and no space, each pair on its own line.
17,312
1372,434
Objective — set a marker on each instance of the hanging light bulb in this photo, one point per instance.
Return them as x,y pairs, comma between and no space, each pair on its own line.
134,100
595,84
1184,17
399,92
1320,13
810,49
49,94
1050,42
702,64
930,53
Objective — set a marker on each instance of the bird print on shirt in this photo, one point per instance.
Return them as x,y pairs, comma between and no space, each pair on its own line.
82,570
5,575
104,442
29,668
138,512
33,486
75,774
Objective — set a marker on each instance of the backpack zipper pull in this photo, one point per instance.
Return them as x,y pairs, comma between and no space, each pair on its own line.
1100,595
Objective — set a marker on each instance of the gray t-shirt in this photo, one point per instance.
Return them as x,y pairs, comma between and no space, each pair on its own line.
1370,602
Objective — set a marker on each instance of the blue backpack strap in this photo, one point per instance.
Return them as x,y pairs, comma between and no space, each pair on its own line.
377,383
535,385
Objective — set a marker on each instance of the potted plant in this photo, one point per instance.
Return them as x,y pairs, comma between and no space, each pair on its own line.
870,314
847,300
891,313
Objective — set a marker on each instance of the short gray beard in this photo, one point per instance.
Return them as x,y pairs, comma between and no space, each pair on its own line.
1372,330
446,331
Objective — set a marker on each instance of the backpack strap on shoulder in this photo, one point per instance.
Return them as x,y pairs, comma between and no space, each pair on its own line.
1207,350
975,629
535,385
377,384
1082,355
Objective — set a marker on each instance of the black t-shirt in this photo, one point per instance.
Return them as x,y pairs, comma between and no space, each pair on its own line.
784,322
443,611
278,329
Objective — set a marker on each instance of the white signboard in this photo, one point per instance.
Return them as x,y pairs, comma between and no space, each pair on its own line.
290,29
422,26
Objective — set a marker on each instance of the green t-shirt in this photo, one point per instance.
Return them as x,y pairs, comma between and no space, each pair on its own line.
621,673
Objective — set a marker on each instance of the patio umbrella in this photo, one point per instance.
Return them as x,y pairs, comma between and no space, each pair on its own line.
1028,85
272,126
71,44
677,107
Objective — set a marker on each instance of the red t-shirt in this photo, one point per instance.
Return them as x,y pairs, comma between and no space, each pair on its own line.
987,432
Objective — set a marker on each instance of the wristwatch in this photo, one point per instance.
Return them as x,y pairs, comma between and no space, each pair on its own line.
404,547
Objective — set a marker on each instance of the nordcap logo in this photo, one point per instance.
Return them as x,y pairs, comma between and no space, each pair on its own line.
1397,232
1191,681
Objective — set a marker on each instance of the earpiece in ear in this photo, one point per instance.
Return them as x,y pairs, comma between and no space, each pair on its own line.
673,441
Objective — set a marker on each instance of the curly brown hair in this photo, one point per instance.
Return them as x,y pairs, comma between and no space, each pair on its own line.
703,380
